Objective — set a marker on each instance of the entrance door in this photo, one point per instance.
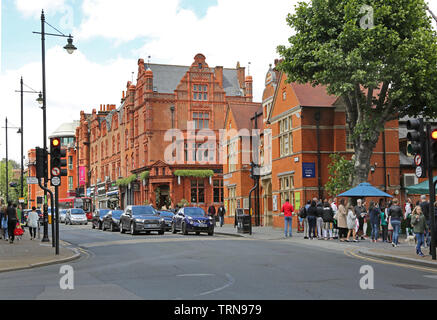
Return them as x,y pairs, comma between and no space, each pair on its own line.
163,196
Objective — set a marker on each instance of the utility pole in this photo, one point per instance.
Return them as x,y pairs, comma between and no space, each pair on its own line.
432,14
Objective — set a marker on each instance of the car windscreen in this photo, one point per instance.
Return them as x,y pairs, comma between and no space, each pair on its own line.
143,210
77,211
194,212
166,214
103,212
117,213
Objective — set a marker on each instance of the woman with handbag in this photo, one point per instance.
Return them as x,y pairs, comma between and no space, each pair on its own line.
351,223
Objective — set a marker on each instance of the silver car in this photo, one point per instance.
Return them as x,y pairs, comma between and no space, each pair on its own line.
62,215
76,216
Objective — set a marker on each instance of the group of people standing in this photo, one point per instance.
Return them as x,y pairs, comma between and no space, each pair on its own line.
9,220
320,219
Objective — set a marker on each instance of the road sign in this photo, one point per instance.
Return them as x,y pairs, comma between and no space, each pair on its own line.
32,180
56,172
419,172
418,160
56,181
21,200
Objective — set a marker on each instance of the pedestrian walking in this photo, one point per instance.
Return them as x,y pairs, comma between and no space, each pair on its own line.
407,216
288,209
375,217
319,220
12,221
312,220
418,222
351,223
211,213
424,205
328,220
32,223
360,212
3,222
305,221
342,221
335,228
383,221
396,215
221,214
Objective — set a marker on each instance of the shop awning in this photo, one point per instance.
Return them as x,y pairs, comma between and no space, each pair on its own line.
421,188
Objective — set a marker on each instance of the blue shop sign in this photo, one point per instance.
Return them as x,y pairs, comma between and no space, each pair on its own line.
88,192
309,170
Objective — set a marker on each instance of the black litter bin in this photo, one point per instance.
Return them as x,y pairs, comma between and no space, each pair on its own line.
243,221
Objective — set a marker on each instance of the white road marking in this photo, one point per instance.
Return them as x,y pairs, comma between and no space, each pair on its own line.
230,282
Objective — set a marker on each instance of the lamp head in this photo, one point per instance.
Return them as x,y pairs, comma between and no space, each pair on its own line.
70,47
40,99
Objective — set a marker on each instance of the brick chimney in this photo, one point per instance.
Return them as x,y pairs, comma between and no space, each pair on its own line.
218,72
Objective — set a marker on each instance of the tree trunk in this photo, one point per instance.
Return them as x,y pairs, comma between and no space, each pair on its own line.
363,153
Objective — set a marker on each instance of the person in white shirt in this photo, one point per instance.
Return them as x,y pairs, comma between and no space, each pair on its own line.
32,223
334,207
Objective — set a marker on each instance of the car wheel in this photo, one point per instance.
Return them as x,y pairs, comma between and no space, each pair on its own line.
173,228
184,229
132,229
161,232
100,226
103,227
93,225
121,228
197,233
211,233
112,227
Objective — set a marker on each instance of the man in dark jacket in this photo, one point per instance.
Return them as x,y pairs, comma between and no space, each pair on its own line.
395,212
328,219
221,214
425,209
211,213
312,218
12,221
319,209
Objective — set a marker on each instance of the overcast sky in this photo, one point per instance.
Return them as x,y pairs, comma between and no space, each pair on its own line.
111,35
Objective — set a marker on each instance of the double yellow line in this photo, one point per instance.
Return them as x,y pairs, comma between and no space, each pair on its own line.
352,254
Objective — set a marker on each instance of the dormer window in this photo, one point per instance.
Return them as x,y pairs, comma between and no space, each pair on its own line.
200,66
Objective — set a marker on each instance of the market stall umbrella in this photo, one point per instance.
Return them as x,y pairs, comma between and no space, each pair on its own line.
421,188
365,190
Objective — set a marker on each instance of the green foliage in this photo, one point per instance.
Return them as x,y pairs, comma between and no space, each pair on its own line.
158,197
144,175
126,181
194,173
381,73
14,193
341,173
183,203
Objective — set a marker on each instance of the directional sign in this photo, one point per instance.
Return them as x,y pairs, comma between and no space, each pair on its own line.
418,160
419,172
32,180
56,172
56,181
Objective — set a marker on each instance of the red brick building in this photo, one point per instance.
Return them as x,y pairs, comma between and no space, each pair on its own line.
124,148
302,127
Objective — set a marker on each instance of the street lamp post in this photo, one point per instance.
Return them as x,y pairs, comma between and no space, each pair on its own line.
7,157
70,49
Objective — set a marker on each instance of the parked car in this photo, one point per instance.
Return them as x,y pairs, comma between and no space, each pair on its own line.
168,218
62,215
192,219
141,219
98,218
111,220
76,216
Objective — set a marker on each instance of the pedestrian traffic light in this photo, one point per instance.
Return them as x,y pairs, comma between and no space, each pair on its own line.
433,149
41,163
57,161
418,145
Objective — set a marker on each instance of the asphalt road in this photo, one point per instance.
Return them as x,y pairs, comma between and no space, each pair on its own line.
174,267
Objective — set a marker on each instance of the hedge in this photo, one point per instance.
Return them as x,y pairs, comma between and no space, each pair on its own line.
194,173
126,181
144,175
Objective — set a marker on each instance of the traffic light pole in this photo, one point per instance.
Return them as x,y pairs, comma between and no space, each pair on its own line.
57,219
431,192
46,216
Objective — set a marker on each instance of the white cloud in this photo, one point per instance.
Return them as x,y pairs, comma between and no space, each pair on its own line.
34,7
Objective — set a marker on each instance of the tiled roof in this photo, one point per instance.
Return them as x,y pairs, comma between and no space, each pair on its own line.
244,113
310,96
167,77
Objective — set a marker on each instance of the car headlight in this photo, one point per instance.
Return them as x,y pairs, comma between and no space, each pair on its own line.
139,220
114,220
210,218
161,220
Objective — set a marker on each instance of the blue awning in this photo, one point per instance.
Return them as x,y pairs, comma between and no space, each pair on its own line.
365,190
112,193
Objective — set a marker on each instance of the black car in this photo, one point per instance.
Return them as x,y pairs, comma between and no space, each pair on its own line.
192,219
168,218
98,216
141,219
111,221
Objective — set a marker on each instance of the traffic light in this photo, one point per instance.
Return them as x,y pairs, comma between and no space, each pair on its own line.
41,163
418,145
57,161
433,149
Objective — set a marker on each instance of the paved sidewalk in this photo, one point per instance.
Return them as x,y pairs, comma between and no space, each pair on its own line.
26,253
404,253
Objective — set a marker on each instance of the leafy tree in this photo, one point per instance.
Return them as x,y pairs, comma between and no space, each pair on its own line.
341,173
381,72
14,192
